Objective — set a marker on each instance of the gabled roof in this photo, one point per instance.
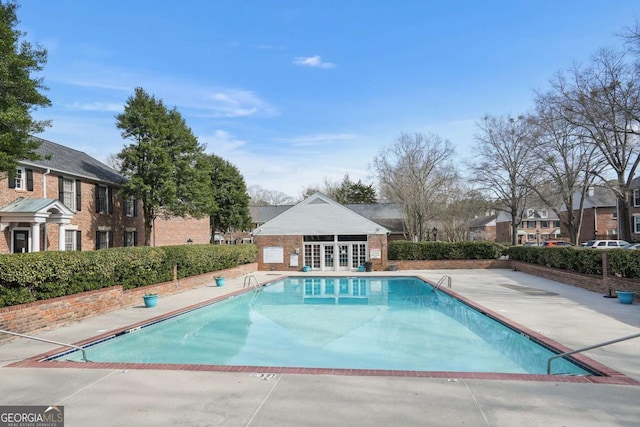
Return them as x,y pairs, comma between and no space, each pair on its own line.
387,215
262,214
600,198
484,221
68,161
503,216
319,215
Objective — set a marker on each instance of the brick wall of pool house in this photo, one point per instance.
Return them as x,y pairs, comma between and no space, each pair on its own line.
55,312
292,245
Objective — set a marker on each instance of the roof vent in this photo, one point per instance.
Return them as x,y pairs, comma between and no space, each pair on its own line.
318,202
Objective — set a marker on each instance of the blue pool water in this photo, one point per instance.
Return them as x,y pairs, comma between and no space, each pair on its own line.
391,323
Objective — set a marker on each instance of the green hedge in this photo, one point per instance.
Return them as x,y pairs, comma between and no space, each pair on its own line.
42,275
622,262
402,250
580,260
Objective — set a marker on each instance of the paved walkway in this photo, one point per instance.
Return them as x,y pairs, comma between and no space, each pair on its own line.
571,316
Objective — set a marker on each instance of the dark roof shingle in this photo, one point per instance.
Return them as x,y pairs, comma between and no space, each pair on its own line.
73,162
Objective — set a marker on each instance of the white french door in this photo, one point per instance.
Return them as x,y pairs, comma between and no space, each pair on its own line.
335,256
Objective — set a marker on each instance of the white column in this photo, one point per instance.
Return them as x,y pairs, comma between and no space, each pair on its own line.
35,237
61,237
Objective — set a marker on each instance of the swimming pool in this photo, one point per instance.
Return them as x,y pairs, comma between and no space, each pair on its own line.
381,323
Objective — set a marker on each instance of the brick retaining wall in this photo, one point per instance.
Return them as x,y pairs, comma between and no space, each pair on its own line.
38,315
601,284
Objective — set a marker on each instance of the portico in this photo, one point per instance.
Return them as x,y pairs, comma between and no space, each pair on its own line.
24,220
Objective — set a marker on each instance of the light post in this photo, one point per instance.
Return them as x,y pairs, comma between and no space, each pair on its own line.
435,233
538,237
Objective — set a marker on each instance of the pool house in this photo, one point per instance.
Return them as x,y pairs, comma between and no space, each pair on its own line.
323,235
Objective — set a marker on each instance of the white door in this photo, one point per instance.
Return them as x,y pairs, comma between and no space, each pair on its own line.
312,255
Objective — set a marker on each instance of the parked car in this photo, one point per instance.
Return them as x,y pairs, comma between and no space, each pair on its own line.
632,246
531,244
556,243
606,244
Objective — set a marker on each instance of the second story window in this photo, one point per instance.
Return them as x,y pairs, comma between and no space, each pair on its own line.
130,208
23,179
531,224
19,179
104,199
544,224
67,192
636,197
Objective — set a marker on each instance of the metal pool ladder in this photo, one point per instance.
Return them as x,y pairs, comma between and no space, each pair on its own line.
591,347
442,280
252,282
84,354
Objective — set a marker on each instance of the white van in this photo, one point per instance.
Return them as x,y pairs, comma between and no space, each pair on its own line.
605,244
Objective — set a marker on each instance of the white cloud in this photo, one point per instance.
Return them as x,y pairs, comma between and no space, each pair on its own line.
97,106
203,100
222,143
313,62
228,102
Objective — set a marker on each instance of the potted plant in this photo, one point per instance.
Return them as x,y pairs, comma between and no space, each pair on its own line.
219,281
625,297
150,299
306,268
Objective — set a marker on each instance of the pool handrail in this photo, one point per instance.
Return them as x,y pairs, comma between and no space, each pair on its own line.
441,281
84,353
602,344
249,282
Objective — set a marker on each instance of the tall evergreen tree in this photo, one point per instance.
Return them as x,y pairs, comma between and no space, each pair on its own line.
163,163
20,93
230,196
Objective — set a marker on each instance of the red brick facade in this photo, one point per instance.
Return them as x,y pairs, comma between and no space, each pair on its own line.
85,219
600,223
178,231
294,245
114,224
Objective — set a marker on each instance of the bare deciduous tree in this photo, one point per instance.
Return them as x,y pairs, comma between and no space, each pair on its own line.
559,172
262,197
502,156
603,100
413,173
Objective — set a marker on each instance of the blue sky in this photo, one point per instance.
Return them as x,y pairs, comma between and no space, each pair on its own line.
294,91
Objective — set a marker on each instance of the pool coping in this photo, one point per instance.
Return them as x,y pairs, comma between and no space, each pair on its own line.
608,376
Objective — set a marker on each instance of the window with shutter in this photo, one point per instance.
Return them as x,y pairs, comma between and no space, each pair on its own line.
29,179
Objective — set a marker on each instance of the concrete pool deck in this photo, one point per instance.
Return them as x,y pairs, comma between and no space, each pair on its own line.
125,397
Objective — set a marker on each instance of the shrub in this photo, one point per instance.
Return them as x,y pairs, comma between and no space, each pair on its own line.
42,275
404,250
580,260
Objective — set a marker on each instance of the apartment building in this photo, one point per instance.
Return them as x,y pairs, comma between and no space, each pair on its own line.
69,201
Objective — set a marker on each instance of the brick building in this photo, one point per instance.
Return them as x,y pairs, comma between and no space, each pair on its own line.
69,201
483,228
322,234
634,211
537,224
600,214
